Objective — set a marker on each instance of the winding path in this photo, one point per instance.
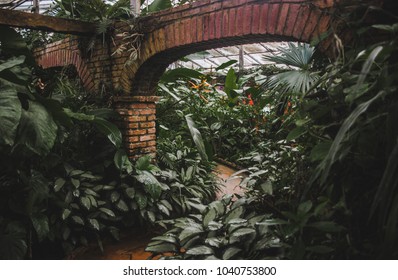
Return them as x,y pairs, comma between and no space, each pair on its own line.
132,246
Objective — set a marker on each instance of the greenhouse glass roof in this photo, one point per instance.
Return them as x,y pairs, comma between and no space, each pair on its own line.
23,5
252,55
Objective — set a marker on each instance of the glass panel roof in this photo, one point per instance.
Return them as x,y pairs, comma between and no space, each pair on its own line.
210,59
24,5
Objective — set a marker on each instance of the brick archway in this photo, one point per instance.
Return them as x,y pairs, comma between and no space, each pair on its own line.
177,32
61,54
210,24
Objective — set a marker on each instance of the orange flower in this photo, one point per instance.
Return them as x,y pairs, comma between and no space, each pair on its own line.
251,102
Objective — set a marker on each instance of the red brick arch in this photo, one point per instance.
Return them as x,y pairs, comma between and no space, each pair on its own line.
63,53
207,24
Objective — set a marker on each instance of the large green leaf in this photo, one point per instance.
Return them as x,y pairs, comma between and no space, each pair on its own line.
94,223
230,253
161,248
130,192
65,214
141,199
226,64
148,179
85,201
200,250
41,226
218,206
122,206
189,232
110,130
37,129
242,232
296,132
10,114
143,163
231,86
326,164
320,151
78,116
173,75
158,5
106,127
304,207
107,211
12,44
165,89
154,190
13,61
210,216
197,137
78,220
13,242
234,214
169,239
59,183
17,77
370,61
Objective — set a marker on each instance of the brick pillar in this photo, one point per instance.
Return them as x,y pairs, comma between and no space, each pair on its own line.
138,116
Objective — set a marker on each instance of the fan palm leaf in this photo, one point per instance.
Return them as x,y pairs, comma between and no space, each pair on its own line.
300,77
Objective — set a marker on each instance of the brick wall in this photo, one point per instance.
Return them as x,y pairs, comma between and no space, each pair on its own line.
138,116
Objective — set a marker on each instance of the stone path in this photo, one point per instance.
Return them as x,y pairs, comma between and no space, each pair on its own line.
132,246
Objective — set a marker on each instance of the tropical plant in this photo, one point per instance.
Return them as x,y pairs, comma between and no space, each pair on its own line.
243,229
37,134
223,230
367,103
300,75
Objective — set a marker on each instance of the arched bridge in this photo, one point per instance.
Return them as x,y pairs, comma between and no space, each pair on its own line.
210,24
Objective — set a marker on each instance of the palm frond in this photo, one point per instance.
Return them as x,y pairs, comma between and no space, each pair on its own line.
300,78
299,56
295,81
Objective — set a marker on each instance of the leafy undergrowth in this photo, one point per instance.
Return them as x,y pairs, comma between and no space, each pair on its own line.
65,179
320,157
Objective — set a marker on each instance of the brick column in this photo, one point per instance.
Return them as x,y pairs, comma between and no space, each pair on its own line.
138,116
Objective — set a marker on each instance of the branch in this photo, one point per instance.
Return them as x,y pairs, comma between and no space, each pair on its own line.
46,23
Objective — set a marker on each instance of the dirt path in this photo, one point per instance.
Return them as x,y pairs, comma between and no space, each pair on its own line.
230,185
132,247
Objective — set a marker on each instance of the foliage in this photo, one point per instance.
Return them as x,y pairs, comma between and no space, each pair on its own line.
241,229
364,139
55,184
299,78
320,160
222,230
220,122
93,10
103,13
65,177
